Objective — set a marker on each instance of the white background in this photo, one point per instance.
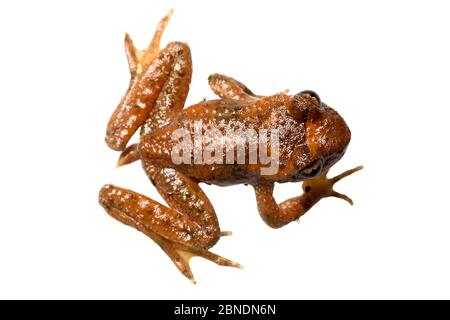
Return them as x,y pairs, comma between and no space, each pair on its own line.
384,65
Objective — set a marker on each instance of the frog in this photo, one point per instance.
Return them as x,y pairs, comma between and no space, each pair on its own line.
313,138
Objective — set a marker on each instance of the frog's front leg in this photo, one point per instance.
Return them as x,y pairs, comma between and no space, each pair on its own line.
229,88
278,215
188,228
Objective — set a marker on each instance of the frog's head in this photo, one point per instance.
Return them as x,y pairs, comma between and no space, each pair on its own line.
327,134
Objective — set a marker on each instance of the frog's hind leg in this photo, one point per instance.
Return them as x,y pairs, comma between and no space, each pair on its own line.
229,88
181,235
158,88
184,195
173,93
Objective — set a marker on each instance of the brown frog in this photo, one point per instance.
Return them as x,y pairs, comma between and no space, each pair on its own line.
311,138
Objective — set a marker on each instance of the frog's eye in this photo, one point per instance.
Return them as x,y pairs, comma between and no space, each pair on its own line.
313,170
310,93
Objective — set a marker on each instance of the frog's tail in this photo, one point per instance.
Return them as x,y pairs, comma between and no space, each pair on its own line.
129,155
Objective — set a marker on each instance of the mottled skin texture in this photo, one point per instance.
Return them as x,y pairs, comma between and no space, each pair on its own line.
312,138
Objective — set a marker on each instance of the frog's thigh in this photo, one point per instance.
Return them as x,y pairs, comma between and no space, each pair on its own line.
151,217
177,233
156,93
184,195
147,215
229,88
171,98
175,90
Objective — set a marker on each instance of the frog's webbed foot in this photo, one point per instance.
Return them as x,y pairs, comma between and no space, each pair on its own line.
138,59
181,255
278,215
322,187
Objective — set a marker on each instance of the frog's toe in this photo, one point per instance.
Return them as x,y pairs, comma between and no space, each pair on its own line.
129,155
339,177
345,174
181,256
153,48
341,196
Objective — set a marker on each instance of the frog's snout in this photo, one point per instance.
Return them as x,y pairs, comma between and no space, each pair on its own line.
328,134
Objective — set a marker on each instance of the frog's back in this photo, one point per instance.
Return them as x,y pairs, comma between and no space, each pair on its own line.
214,141
199,129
